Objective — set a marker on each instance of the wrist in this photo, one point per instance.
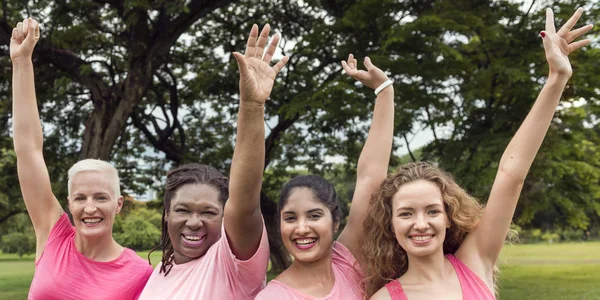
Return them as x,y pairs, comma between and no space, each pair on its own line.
252,106
558,78
21,61
385,85
389,90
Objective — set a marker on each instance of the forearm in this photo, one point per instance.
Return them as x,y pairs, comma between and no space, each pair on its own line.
523,147
27,128
248,158
375,156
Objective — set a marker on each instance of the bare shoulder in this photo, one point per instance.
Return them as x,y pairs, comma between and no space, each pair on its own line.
382,294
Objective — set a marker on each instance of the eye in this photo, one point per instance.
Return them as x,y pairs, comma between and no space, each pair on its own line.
289,218
212,213
102,198
434,212
314,216
181,210
405,214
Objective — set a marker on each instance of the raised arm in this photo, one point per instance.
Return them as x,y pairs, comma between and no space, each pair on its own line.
487,240
243,219
42,206
374,159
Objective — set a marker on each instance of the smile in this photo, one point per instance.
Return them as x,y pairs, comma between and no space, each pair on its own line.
91,221
305,243
193,240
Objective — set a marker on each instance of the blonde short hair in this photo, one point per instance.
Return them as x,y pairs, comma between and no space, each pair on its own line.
99,166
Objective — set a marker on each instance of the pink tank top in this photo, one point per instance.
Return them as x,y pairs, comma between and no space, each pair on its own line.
473,288
63,273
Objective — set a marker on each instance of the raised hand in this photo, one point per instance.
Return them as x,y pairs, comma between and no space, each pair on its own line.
23,39
558,45
256,74
372,78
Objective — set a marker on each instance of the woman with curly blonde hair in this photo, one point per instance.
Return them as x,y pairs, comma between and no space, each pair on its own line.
426,238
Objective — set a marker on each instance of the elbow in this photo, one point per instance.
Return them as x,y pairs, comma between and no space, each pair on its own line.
513,172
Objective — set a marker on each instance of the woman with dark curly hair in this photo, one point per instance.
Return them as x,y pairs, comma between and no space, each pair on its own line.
214,238
426,238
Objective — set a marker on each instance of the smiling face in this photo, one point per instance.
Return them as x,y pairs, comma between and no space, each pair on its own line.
93,204
306,226
419,218
194,221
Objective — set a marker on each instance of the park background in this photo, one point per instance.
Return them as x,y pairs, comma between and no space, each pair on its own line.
149,85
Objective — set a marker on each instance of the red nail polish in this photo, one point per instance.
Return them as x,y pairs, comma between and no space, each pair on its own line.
543,34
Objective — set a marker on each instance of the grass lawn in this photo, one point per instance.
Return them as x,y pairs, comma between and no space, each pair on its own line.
540,271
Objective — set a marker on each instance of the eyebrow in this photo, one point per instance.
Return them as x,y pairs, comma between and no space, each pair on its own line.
315,210
412,209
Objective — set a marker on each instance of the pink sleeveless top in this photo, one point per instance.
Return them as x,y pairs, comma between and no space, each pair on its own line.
473,288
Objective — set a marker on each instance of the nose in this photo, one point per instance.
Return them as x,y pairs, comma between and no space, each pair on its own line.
90,206
421,223
194,222
302,228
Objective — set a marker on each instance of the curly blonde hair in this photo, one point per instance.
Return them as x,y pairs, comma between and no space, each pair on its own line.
385,259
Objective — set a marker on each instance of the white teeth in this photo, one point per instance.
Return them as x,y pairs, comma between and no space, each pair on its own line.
421,238
90,220
191,238
305,241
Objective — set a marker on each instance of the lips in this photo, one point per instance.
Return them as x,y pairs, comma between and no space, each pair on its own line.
305,243
193,239
422,238
91,221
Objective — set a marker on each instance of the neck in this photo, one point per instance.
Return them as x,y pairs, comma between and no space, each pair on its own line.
103,248
426,268
319,271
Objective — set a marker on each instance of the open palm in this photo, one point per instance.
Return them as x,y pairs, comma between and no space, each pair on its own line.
256,75
558,45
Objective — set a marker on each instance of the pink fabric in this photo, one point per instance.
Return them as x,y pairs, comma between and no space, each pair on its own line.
395,289
63,273
216,275
473,288
348,276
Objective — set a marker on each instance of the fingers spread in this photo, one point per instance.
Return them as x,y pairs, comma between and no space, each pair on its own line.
272,48
262,41
251,44
571,22
571,36
280,64
550,21
576,45
241,61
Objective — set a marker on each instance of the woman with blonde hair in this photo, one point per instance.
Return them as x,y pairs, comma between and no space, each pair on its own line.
426,238
84,256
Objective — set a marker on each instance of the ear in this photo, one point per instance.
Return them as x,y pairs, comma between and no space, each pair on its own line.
119,204
336,227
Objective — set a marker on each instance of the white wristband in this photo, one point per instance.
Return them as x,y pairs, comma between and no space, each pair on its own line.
383,86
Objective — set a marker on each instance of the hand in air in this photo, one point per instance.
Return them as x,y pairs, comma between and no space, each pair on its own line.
373,77
558,45
256,75
23,39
